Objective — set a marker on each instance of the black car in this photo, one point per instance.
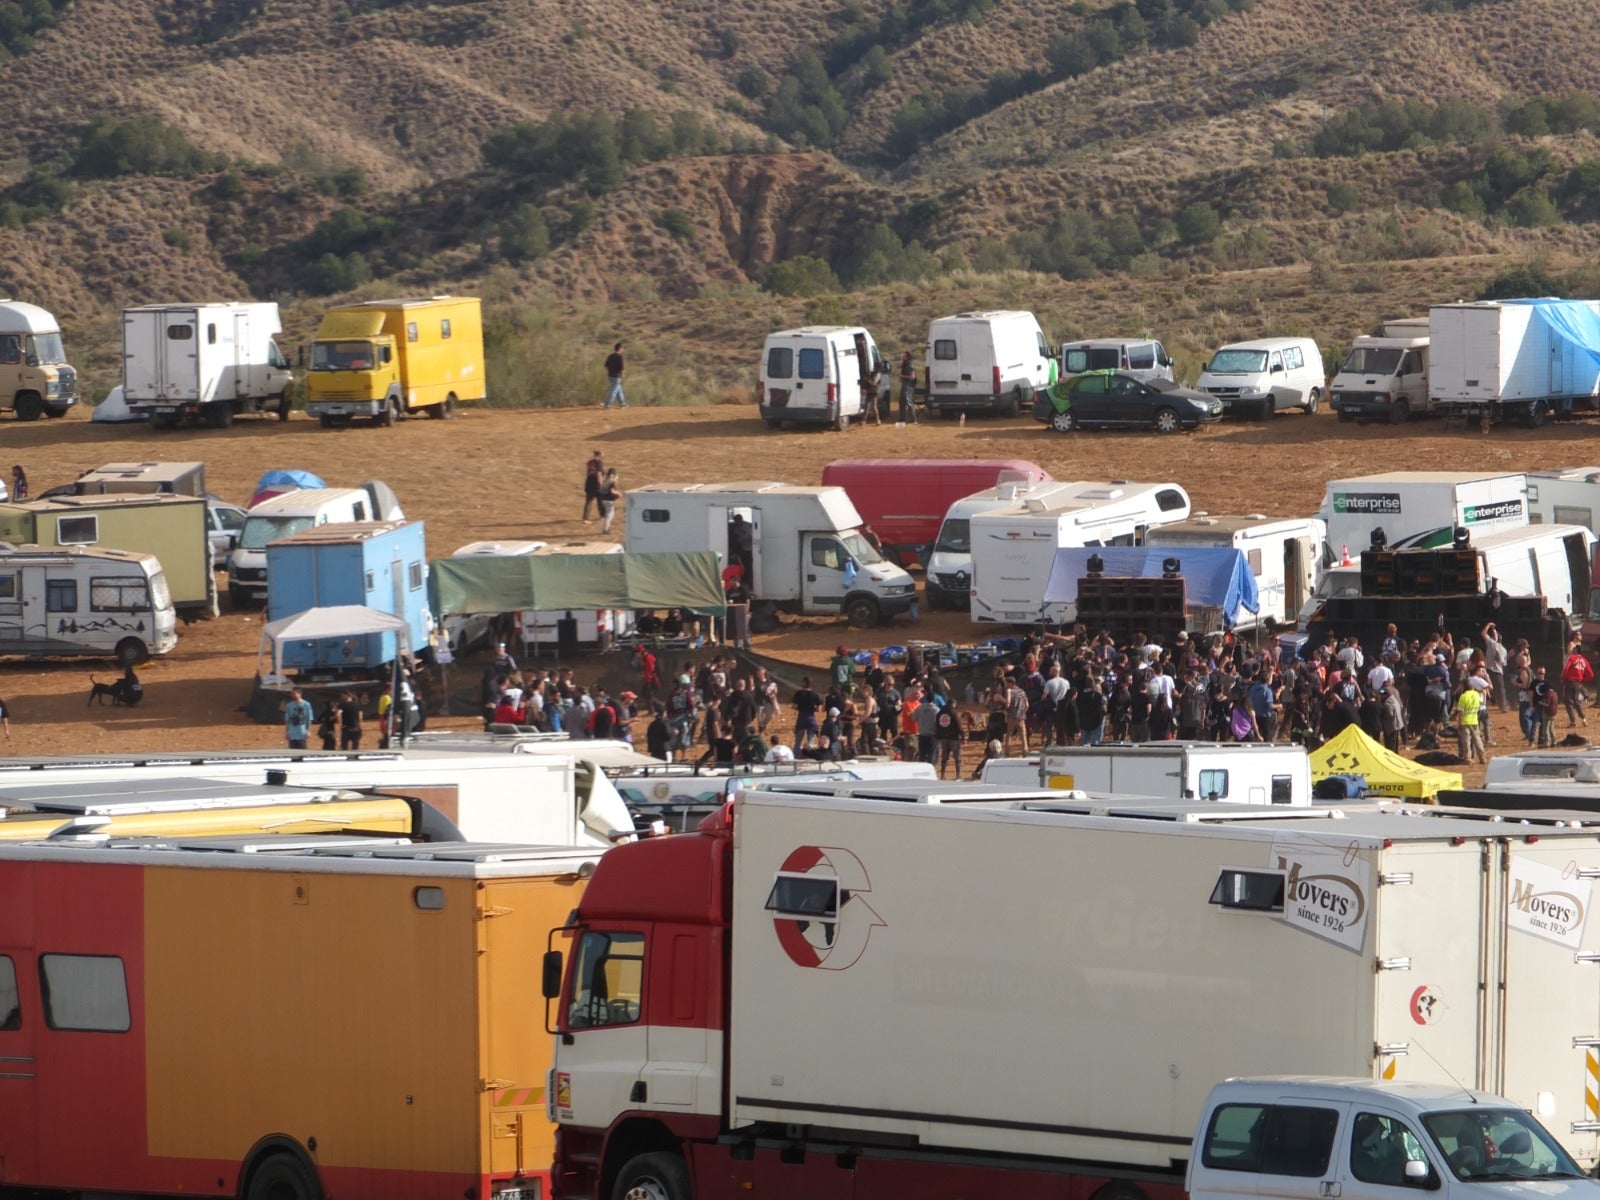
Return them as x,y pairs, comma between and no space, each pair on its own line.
1111,398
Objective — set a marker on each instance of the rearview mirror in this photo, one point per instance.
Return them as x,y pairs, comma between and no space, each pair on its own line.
551,974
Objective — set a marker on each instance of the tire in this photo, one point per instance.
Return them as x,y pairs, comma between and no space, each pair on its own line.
29,406
55,414
1263,410
283,1176
327,422
390,413
1064,422
771,424
659,1175
1166,421
238,598
1535,414
219,415
444,411
862,612
1312,400
131,652
840,422
1119,1190
285,403
1400,413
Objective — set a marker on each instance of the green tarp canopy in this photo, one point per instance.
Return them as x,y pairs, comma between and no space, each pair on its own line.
558,582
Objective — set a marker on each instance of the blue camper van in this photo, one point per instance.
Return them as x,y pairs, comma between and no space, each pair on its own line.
380,564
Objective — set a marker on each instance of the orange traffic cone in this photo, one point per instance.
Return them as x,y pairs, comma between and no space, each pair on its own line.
1344,555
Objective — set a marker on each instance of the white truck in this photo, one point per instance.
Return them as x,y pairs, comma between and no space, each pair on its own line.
204,362
1565,496
35,378
800,549
1286,556
1385,377
1236,772
880,999
1514,359
1014,543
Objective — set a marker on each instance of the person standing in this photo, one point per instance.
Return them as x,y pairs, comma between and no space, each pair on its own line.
349,722
1575,674
297,720
1495,658
607,498
328,726
948,731
1469,735
614,368
593,471
19,483
908,391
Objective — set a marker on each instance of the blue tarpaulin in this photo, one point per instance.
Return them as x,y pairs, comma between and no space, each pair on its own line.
1212,577
1576,322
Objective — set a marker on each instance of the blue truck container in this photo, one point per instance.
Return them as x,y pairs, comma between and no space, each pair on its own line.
380,564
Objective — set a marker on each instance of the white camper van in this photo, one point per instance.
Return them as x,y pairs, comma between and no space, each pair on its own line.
812,375
35,378
1565,496
1143,358
1285,556
800,548
597,627
207,362
84,602
1014,544
1257,379
989,362
291,512
1384,377
948,579
1237,772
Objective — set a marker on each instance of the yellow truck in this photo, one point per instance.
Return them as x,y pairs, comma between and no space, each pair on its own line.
387,359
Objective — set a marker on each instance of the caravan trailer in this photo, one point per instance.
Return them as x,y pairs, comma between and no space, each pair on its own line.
1285,556
80,602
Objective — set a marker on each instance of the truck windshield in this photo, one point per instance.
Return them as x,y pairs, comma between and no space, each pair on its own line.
275,357
342,356
860,549
1498,1144
1373,360
955,536
1238,362
258,531
46,348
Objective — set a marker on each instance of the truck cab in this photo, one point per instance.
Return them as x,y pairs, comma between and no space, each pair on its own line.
353,365
1382,377
35,378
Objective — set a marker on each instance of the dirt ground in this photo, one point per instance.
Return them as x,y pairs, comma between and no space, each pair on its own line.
497,474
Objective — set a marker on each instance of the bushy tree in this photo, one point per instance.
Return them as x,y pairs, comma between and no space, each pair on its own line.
1198,222
805,275
524,235
137,145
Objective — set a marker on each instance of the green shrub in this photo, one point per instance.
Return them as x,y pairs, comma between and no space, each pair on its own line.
804,275
524,235
1198,222
677,223
139,145
179,239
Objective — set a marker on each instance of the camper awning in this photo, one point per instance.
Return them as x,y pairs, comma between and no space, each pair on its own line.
1352,752
558,582
335,621
1212,577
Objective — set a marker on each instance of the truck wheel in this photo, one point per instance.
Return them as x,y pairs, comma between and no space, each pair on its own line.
54,413
1166,421
1312,400
1400,413
29,406
283,1176
1119,1190
1264,409
285,403
771,424
238,598
862,612
1063,422
388,415
131,652
658,1175
219,415
443,412
1532,417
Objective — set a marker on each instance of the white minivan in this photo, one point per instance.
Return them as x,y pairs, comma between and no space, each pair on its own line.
1257,379
813,375
291,512
991,362
1143,358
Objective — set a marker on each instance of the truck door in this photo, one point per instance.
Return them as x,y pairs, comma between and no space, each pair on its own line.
1371,1161
243,385
606,1040
179,355
19,1017
1414,381
823,585
143,353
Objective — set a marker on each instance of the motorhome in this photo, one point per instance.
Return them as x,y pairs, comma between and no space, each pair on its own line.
290,512
798,549
1237,772
1014,542
82,602
387,359
1257,379
177,478
814,375
1285,555
986,362
35,378
204,362
948,581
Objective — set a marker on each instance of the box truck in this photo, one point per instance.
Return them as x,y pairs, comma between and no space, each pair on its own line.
1014,543
904,500
382,565
986,362
799,549
35,378
204,363
84,602
1514,360
1035,1003
172,528
1384,377
815,375
132,970
387,359
1286,556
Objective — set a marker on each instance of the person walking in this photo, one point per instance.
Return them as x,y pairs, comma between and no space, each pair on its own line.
1575,674
349,722
908,391
614,369
19,483
593,472
297,718
607,499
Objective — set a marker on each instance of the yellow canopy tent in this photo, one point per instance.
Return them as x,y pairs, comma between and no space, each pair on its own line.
1352,752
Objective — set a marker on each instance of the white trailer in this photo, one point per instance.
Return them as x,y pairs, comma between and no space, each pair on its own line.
1014,543
1285,556
1514,359
1565,496
84,602
1236,772
800,548
207,362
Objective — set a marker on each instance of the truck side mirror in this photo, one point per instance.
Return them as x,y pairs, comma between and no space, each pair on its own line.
551,974
386,354
1418,1174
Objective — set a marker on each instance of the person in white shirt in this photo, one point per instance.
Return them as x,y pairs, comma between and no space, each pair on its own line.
1378,679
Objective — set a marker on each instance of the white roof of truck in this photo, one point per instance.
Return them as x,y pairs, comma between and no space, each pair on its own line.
766,487
18,317
303,501
1448,477
991,314
1208,524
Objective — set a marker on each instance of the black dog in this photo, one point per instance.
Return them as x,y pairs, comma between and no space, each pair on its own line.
127,690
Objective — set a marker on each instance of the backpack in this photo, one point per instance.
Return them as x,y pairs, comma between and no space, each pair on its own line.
1552,701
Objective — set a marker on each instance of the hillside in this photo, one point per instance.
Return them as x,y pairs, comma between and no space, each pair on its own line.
589,154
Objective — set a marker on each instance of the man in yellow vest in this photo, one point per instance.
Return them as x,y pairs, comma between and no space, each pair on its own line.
1469,734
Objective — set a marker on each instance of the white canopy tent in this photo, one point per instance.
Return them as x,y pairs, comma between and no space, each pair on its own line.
334,621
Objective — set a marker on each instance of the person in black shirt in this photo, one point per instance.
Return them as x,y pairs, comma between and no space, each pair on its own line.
614,368
806,726
658,736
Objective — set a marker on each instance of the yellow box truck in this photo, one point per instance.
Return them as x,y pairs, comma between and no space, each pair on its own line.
387,359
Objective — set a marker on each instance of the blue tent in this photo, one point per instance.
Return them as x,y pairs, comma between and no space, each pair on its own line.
1576,322
1212,577
293,478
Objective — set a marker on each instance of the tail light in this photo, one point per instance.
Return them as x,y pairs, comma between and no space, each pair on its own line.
997,381
761,393
833,396
927,381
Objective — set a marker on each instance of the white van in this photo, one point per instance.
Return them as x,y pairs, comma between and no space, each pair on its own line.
84,602
812,375
290,512
1256,379
1142,358
986,362
1286,556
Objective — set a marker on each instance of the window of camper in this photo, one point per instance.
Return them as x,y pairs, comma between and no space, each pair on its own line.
180,333
371,582
414,576
1170,500
1214,783
211,334
656,516
780,362
77,531
8,587
1282,789
411,331
61,595
1253,557
944,350
1293,358
128,594
813,363
87,992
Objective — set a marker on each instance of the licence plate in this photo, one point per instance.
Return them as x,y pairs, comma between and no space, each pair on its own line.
1016,616
525,1193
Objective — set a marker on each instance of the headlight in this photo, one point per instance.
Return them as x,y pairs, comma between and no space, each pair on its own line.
52,388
